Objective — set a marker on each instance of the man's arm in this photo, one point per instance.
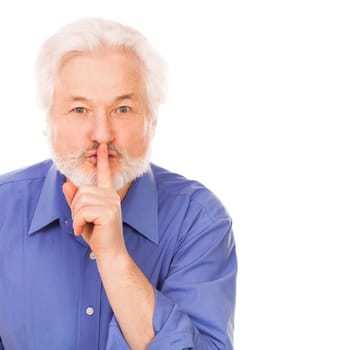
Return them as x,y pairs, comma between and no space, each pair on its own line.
195,304
131,297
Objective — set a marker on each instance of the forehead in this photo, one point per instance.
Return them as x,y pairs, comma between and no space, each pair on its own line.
96,72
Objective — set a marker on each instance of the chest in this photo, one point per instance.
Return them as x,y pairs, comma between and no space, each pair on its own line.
51,295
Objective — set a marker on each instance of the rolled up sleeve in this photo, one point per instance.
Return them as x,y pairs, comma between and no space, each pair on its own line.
195,305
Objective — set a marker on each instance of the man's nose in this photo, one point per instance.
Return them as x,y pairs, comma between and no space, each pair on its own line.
101,128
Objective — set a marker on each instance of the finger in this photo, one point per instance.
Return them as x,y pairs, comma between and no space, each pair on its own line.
69,191
80,226
84,221
104,173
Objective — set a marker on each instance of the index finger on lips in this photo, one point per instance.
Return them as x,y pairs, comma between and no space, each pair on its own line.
104,172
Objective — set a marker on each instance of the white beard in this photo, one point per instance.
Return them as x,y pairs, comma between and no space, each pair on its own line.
71,165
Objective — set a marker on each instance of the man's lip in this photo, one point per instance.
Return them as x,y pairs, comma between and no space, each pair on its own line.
92,159
113,154
93,155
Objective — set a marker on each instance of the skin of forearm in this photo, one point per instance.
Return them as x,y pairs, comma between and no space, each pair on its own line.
131,297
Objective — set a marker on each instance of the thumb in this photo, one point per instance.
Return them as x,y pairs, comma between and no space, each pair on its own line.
69,191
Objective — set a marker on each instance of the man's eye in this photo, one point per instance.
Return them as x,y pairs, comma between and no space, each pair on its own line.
123,109
79,110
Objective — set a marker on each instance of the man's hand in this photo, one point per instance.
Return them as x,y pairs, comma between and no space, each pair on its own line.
96,210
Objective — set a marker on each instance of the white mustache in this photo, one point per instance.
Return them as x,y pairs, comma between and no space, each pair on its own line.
94,146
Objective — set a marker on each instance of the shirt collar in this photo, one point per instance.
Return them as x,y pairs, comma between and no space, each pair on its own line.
140,207
51,204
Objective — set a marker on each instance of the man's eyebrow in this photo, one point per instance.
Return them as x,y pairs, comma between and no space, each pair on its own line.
117,99
80,98
123,97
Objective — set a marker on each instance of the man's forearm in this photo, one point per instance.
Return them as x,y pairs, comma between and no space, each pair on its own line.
131,297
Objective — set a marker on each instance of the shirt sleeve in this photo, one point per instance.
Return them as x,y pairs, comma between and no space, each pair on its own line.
195,302
195,305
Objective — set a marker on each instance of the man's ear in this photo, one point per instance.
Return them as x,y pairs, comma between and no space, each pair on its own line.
154,122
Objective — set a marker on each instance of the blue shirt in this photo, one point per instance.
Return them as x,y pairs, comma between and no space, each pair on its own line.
51,295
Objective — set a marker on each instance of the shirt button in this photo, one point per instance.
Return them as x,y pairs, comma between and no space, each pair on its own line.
65,221
92,256
89,311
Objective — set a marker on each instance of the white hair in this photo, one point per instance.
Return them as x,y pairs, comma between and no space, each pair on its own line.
88,35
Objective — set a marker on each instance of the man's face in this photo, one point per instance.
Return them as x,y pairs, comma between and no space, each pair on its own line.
100,98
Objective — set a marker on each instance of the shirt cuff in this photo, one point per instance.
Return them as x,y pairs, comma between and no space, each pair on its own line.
173,329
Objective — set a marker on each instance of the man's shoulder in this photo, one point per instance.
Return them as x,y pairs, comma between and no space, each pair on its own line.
173,185
176,183
32,172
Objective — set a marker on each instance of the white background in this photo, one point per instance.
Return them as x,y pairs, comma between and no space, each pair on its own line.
258,111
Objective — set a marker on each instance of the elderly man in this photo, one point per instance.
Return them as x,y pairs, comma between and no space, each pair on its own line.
99,248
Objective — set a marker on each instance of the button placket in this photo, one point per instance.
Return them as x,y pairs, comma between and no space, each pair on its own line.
89,303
